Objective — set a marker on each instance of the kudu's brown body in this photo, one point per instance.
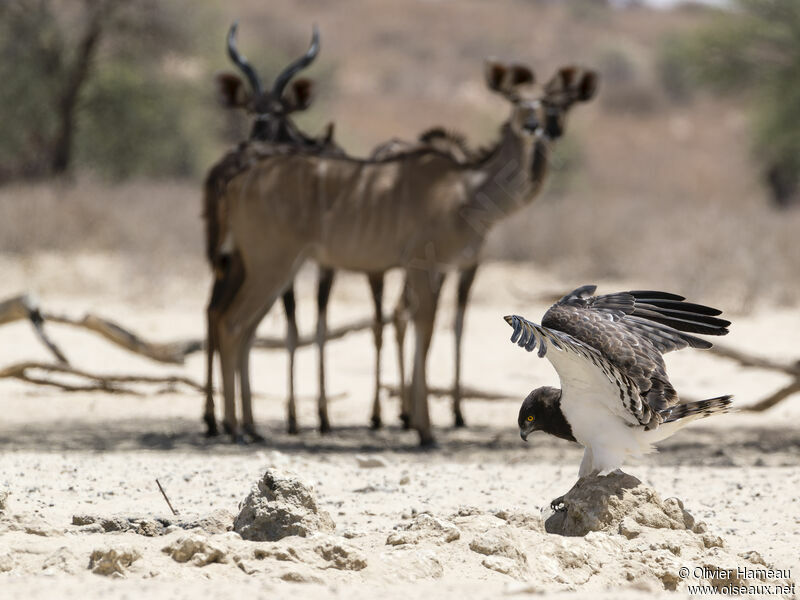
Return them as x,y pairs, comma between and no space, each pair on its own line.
272,125
421,210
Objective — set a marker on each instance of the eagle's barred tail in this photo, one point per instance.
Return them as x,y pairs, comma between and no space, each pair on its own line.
699,409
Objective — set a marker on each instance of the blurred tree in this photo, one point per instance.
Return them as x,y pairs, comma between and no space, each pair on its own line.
90,81
753,50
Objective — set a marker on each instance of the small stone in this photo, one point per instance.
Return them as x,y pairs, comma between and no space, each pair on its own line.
498,541
149,528
629,528
404,480
341,556
296,576
115,524
369,462
218,521
197,549
60,561
112,561
424,527
6,563
500,564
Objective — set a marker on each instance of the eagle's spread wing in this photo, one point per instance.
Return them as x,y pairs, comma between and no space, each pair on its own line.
631,330
583,371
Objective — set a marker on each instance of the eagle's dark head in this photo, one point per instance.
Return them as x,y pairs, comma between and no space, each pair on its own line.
541,411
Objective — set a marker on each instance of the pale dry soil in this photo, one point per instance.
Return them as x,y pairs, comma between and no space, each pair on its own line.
99,454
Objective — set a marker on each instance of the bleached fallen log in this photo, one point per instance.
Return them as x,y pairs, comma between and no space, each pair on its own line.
467,393
276,343
26,307
748,360
170,352
95,382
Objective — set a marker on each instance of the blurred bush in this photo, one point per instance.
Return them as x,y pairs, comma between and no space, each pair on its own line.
87,83
627,85
752,51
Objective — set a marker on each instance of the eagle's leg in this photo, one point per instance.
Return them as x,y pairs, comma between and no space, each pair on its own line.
557,504
587,463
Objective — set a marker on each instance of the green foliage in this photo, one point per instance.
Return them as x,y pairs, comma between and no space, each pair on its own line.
134,124
30,47
753,51
142,106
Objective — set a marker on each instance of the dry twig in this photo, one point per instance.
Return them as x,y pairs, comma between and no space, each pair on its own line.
163,493
99,383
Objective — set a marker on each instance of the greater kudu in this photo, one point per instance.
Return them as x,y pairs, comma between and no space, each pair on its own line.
272,109
422,210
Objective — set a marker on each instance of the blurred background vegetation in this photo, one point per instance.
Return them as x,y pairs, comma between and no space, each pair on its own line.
692,147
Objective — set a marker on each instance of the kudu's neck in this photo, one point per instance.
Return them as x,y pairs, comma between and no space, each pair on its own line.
508,177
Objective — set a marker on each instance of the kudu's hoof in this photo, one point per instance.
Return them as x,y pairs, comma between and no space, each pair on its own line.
253,435
211,426
228,429
459,421
427,442
292,429
406,421
375,423
324,427
238,439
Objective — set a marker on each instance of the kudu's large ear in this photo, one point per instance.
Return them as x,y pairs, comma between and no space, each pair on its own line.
298,96
495,75
232,91
587,87
504,78
572,84
520,75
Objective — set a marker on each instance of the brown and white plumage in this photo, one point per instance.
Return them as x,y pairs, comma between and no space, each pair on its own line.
615,393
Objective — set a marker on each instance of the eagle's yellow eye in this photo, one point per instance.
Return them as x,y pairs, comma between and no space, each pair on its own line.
530,417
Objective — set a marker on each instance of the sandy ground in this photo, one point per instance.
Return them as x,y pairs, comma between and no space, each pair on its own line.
73,454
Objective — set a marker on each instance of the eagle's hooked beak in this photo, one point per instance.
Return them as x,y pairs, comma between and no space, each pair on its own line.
523,435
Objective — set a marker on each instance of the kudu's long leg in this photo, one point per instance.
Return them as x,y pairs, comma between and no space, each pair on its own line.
211,347
291,347
248,424
376,286
424,290
264,283
400,322
465,279
323,295
222,292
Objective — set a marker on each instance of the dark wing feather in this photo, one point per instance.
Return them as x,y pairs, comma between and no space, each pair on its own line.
633,330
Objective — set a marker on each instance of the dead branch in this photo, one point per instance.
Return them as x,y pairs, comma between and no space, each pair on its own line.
775,398
171,353
748,360
163,493
274,343
98,383
467,393
25,307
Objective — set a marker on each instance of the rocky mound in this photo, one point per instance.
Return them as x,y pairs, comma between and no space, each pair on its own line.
280,505
616,502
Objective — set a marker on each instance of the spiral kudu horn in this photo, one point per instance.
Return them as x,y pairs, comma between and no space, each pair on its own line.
241,62
297,65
